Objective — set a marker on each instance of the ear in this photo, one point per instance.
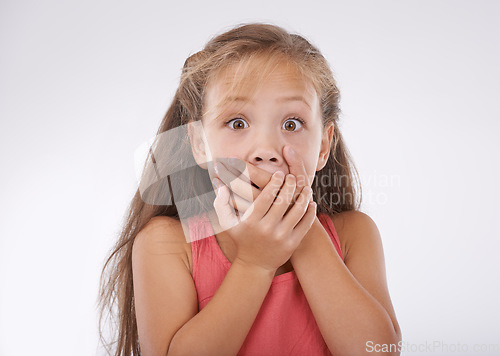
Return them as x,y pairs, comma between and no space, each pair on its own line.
326,144
199,143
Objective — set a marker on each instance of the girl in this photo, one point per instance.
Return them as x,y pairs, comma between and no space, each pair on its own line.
279,261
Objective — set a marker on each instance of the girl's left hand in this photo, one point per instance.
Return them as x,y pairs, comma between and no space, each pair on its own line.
246,180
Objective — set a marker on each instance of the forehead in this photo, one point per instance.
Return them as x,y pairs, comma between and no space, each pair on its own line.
245,78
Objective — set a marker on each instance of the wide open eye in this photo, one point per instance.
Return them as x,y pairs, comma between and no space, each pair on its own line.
292,124
237,124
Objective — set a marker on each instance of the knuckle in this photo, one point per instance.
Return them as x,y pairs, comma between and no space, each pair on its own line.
268,195
307,190
216,204
279,199
265,230
280,234
245,224
300,201
275,191
306,194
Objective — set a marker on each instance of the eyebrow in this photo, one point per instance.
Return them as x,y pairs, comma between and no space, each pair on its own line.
279,100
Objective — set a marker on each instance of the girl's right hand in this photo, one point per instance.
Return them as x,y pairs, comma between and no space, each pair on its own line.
264,235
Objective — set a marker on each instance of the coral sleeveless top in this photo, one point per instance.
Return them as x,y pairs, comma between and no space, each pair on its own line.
285,324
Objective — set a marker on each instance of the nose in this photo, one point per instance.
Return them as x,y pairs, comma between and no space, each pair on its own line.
267,150
264,157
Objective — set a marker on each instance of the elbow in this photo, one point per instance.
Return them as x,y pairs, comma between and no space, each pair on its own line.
391,341
149,348
392,344
388,343
179,346
397,339
174,347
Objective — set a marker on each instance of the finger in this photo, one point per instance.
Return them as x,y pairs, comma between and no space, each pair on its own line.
238,183
257,176
296,195
242,193
225,212
236,166
240,204
260,178
298,210
261,205
282,202
296,166
305,223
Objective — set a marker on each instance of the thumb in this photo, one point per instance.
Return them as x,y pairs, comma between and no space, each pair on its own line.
225,211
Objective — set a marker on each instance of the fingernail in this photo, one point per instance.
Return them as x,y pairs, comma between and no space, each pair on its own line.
216,168
279,174
292,152
215,182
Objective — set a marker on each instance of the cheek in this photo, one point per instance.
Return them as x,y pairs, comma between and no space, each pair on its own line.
306,161
309,155
224,146
213,142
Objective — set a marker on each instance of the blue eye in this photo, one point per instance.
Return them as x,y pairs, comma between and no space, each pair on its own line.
292,124
237,124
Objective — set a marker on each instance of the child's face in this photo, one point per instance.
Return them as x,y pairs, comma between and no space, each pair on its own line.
256,131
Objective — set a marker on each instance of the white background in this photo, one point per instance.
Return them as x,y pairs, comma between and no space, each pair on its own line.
84,83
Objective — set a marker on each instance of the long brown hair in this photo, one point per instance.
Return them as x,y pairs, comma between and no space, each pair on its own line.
244,42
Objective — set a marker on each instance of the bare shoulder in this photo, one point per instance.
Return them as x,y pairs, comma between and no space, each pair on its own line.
163,235
352,227
350,220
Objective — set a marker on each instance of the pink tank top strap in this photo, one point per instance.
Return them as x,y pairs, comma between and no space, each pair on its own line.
327,223
202,239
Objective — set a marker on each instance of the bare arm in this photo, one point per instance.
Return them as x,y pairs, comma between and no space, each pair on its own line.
166,300
350,301
222,326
